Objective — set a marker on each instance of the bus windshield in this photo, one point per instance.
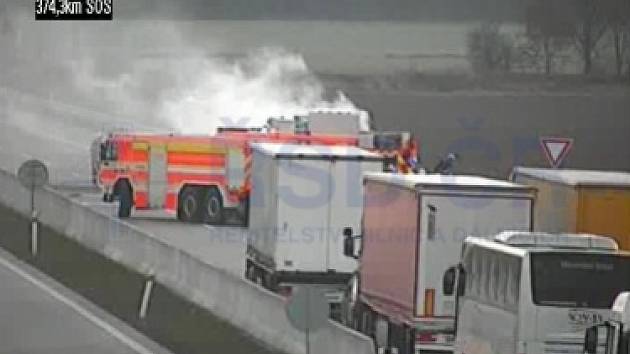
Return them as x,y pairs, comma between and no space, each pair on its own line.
578,280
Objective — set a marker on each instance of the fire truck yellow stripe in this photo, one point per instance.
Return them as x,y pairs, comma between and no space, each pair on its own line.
191,148
196,170
196,148
140,146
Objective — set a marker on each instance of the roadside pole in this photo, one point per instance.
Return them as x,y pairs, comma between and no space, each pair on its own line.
307,310
146,296
33,174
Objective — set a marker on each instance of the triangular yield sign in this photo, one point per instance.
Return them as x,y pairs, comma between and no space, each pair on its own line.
556,149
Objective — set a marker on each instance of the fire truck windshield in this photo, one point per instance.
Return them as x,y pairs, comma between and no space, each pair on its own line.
108,151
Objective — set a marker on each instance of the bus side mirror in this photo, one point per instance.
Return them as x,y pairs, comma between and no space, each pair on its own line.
448,281
590,340
348,243
454,279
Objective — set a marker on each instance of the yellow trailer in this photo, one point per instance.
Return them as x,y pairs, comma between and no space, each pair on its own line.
580,201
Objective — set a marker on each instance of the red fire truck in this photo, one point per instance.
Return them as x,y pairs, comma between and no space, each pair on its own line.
198,178
205,178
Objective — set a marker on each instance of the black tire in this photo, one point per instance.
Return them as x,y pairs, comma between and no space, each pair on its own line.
213,207
189,206
270,281
243,214
402,338
250,271
125,200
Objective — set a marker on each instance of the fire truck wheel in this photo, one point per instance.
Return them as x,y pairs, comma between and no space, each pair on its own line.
213,206
270,282
243,213
250,272
188,209
124,196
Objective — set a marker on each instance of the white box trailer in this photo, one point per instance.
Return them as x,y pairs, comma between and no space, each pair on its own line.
333,122
303,197
414,227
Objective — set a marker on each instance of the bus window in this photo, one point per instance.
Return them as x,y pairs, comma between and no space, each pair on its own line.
566,280
498,280
478,273
514,282
468,267
494,277
486,276
475,274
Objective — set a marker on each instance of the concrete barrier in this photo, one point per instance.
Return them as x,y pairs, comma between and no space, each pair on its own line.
245,305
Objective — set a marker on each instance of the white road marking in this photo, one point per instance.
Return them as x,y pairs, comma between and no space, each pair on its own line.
131,343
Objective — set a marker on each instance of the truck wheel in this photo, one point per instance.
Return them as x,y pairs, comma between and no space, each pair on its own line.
243,213
125,199
250,272
259,278
188,208
410,340
367,321
270,282
213,207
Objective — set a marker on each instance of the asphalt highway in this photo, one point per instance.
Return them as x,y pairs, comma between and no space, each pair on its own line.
38,315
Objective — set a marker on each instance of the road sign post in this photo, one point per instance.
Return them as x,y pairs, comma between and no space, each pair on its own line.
307,311
33,174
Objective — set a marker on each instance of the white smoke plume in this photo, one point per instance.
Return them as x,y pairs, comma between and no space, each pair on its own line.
151,75
268,82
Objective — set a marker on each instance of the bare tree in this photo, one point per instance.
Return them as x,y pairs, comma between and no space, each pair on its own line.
590,25
489,50
548,27
5,25
617,13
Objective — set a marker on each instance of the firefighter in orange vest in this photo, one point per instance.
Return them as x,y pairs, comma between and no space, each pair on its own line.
407,157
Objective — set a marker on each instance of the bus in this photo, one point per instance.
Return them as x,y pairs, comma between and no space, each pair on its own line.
534,293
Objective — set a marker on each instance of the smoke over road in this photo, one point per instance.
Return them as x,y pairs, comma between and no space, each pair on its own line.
148,74
269,82
63,83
